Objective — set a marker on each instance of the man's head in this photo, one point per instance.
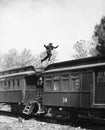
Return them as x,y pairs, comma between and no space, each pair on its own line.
50,44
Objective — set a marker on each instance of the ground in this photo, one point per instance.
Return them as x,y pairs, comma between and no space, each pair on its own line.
12,123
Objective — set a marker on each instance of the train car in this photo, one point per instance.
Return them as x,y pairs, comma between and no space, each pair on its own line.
75,88
22,89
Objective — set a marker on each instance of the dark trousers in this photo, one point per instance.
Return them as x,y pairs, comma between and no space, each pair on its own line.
47,57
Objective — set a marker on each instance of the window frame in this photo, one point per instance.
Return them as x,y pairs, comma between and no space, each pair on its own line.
74,77
45,86
56,80
57,77
65,77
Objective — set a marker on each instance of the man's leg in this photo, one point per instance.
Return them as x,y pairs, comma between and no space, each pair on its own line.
49,57
45,58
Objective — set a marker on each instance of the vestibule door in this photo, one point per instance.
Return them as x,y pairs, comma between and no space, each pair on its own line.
99,88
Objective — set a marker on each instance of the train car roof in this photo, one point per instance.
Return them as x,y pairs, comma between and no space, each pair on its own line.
22,71
28,73
76,64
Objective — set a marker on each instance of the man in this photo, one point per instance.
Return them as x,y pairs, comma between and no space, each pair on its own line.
49,48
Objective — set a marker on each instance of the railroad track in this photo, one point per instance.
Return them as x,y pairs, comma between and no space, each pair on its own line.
87,124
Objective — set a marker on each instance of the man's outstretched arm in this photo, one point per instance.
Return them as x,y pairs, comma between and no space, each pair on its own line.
45,46
56,47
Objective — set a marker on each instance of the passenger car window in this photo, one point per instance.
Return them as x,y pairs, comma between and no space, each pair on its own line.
100,76
1,85
75,82
56,85
65,85
16,84
8,84
48,86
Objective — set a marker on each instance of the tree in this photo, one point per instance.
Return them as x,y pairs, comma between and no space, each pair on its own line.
10,59
99,37
26,58
13,59
96,46
84,49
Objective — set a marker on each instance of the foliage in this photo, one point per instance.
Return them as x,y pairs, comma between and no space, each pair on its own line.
99,37
26,58
14,59
10,59
84,49
95,47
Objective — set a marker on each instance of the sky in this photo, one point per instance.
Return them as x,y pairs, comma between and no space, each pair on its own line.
32,23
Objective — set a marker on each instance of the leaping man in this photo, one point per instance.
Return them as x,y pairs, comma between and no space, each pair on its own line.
49,48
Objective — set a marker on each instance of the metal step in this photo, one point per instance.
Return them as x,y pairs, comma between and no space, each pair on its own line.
28,108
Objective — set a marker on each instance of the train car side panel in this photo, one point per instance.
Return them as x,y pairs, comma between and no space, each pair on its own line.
57,90
99,98
11,90
74,99
57,99
11,96
86,89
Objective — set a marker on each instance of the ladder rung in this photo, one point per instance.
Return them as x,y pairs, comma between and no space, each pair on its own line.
26,109
28,106
25,112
